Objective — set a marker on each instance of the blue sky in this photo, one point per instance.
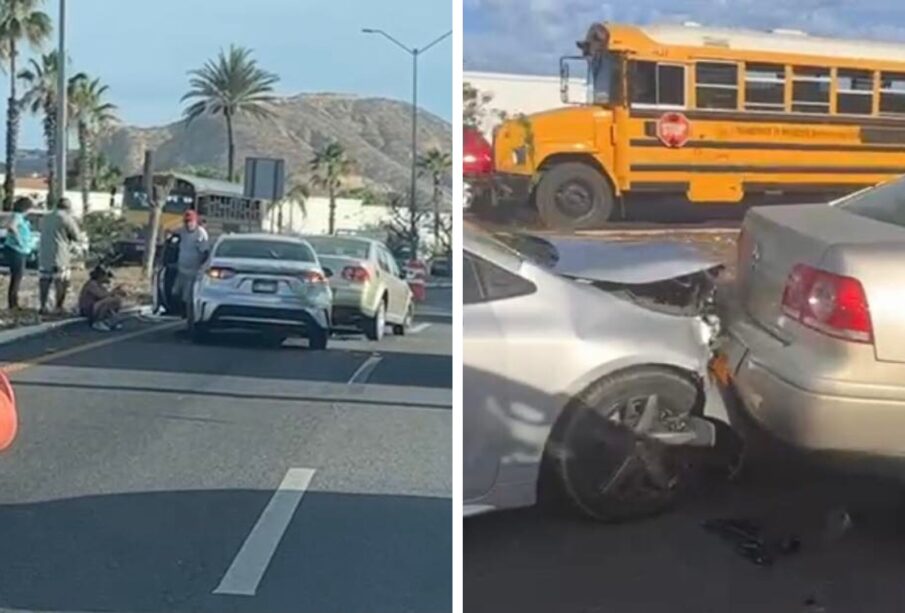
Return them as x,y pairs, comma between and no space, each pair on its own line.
314,45
528,36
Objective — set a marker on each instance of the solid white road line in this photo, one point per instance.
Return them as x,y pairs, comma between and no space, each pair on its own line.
245,573
418,328
364,371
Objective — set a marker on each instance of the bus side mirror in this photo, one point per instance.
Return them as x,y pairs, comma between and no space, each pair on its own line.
564,80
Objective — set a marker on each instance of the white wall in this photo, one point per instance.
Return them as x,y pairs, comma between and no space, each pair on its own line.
351,214
520,94
97,201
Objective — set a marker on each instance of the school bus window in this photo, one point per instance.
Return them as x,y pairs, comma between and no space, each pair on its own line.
811,90
653,84
855,92
716,85
765,87
892,93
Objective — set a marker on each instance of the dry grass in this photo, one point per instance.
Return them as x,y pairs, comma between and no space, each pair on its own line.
130,278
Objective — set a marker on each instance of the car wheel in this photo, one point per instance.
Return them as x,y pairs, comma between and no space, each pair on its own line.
317,338
198,333
275,339
375,326
574,196
609,468
401,329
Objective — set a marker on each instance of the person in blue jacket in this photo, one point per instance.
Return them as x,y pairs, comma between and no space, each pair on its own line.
18,246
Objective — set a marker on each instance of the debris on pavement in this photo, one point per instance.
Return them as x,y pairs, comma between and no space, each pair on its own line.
750,541
837,524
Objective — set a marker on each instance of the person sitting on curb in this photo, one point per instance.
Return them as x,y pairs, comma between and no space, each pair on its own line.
98,303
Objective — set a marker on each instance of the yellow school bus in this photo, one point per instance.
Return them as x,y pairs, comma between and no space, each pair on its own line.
221,205
712,114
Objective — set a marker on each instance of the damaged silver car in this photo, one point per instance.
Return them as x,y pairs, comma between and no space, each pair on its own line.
586,370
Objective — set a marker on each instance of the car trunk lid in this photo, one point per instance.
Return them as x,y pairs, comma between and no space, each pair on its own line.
337,264
252,275
775,239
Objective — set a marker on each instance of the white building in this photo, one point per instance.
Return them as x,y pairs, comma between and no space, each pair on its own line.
351,215
36,189
513,94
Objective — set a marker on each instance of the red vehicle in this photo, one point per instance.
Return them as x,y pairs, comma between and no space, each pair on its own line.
477,168
9,421
416,275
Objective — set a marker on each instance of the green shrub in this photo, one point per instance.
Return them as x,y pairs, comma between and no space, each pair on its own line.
104,230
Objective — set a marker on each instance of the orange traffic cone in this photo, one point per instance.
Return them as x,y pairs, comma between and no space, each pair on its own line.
9,421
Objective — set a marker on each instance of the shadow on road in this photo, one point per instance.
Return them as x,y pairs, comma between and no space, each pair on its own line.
239,355
168,551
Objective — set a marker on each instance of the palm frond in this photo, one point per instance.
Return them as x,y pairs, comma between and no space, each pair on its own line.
231,83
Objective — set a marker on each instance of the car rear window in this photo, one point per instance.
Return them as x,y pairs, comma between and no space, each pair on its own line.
265,250
340,247
884,203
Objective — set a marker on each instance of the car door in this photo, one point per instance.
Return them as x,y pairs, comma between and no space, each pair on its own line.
492,297
391,280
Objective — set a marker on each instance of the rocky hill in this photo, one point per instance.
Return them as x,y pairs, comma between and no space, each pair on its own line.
376,133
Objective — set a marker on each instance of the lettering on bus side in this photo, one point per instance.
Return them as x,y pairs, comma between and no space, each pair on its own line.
796,132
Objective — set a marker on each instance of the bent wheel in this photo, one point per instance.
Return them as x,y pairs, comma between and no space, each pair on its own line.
608,465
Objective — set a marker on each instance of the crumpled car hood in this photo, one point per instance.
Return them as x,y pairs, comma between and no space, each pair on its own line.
626,263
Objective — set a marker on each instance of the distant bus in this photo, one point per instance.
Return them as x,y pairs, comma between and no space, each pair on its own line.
711,114
221,205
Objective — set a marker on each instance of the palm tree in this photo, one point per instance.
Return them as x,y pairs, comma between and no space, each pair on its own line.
20,20
330,164
436,165
105,177
297,198
41,78
231,85
92,115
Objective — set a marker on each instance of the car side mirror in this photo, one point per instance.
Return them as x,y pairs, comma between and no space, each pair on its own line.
328,272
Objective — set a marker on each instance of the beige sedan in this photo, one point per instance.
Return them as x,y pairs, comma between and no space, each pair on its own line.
369,290
816,346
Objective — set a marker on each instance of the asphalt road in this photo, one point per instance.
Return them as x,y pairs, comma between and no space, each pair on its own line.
541,559
152,474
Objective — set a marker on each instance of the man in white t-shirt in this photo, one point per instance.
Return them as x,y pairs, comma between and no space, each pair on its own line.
194,246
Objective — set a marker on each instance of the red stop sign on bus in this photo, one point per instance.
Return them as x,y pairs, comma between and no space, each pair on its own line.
673,129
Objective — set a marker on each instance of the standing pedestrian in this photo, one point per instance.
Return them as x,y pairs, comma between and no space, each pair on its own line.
60,234
194,246
18,246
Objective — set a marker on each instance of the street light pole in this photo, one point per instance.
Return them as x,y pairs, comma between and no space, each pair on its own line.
59,189
413,205
415,52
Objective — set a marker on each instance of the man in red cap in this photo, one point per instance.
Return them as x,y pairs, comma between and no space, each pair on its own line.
194,246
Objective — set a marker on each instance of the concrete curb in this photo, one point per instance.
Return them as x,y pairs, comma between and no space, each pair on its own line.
439,285
26,332
433,315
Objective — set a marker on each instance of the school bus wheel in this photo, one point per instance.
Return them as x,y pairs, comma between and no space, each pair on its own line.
574,196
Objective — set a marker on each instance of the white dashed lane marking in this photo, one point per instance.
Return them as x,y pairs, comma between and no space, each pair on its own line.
248,567
364,371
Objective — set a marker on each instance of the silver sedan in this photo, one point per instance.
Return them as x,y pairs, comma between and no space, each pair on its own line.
587,363
263,282
816,343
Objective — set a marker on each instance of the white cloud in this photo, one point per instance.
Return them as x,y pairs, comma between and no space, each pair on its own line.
530,35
